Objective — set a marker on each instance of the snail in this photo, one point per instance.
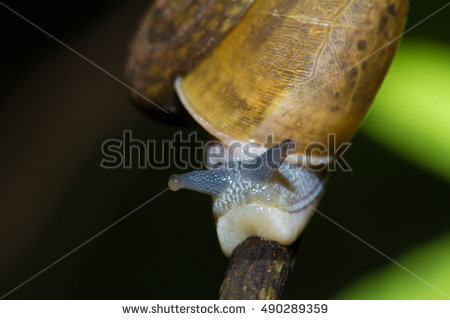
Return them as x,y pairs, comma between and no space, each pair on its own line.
295,70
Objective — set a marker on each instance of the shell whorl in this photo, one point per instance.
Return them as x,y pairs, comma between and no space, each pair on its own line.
298,69
174,36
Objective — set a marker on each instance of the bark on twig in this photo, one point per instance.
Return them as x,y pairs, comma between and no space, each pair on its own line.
258,270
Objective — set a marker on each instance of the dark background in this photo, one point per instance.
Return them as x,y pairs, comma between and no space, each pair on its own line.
56,110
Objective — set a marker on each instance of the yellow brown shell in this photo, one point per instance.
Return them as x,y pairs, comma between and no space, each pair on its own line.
296,69
247,69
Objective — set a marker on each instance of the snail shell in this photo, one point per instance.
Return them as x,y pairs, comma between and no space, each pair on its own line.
249,69
297,69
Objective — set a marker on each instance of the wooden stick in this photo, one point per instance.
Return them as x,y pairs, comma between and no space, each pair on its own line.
258,270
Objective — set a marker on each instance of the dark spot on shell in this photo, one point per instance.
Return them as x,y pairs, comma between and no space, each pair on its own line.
352,83
336,95
364,65
354,72
392,9
228,90
382,23
256,38
362,44
335,108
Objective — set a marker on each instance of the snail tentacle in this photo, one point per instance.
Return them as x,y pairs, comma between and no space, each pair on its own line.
215,182
212,182
264,167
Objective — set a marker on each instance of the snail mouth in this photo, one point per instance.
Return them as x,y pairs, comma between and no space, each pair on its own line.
240,195
275,195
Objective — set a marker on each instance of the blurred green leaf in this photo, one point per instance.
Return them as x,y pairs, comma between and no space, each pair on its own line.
430,261
411,114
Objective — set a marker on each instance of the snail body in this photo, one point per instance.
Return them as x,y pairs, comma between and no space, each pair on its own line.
249,69
264,197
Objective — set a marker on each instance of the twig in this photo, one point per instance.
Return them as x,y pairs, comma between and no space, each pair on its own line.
258,270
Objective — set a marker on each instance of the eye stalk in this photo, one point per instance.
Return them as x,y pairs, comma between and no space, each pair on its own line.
215,182
264,167
212,182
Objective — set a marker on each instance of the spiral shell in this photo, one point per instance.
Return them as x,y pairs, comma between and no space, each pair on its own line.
297,69
174,36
